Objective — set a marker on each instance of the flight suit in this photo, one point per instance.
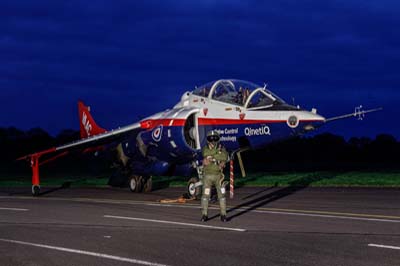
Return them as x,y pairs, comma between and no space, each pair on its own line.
213,175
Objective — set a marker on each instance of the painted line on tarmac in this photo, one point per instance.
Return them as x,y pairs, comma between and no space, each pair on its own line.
297,213
176,223
83,252
375,217
363,215
13,209
383,246
311,213
328,216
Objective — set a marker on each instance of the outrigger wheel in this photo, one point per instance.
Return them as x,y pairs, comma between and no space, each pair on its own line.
35,190
136,183
193,191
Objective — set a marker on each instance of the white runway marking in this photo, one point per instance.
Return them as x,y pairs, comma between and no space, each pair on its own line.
334,215
329,216
282,213
82,252
176,223
13,209
383,246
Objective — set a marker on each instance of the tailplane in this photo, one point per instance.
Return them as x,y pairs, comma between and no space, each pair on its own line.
88,127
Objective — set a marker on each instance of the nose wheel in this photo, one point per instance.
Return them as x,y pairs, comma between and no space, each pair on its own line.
194,188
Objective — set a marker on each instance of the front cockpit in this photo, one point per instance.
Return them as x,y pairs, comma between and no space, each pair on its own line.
246,114
241,93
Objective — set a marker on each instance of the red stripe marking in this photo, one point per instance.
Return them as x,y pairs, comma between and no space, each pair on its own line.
152,123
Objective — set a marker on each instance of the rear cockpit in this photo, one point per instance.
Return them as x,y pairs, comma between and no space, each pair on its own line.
241,93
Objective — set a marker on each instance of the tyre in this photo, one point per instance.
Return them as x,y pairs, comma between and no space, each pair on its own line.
148,184
193,191
35,190
135,183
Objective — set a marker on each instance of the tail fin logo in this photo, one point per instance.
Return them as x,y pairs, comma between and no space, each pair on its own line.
86,124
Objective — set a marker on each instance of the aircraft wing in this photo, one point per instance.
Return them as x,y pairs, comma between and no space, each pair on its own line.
101,138
92,141
92,135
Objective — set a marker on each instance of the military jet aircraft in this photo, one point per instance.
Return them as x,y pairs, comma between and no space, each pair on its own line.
246,116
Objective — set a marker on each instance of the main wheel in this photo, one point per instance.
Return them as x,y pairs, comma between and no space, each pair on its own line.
193,191
35,190
135,183
148,184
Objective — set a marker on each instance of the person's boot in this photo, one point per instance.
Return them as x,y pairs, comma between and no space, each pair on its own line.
204,218
223,218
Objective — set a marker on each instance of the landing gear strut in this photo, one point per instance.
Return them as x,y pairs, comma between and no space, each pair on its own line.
35,175
194,188
34,161
194,185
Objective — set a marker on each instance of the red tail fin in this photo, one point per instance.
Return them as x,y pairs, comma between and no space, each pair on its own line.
87,124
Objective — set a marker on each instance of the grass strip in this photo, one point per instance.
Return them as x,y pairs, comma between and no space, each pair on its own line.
282,179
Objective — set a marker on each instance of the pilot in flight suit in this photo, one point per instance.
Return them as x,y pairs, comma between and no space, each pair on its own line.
215,156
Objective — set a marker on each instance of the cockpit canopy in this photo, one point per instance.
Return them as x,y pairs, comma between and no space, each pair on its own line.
239,92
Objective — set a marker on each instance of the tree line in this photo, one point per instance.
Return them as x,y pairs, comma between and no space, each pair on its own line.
319,152
329,152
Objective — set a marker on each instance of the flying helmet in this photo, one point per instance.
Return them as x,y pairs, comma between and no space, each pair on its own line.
213,136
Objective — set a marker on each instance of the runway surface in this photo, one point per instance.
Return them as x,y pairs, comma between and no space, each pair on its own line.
268,226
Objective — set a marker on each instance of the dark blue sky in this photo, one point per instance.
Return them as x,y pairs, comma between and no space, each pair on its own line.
129,59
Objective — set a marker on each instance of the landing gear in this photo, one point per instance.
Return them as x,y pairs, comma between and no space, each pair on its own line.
138,183
34,161
135,183
148,184
35,175
35,190
194,188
